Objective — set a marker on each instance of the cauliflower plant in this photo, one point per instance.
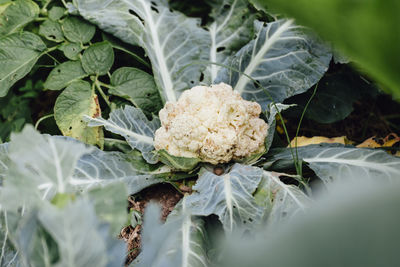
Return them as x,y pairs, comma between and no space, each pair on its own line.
213,123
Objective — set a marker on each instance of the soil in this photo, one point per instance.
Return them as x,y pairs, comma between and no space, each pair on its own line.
164,194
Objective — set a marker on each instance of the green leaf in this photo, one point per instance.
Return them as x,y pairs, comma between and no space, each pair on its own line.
229,196
171,40
18,54
231,29
133,125
283,58
178,163
51,30
64,74
4,161
41,167
17,14
281,201
334,163
77,30
56,12
76,101
365,31
101,169
98,58
179,242
79,236
138,87
110,205
71,50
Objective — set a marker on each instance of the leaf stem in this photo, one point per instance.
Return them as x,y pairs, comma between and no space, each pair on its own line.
42,119
103,95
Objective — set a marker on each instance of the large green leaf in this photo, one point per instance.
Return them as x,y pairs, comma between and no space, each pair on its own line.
18,54
76,101
229,196
77,30
64,74
284,58
100,169
78,235
336,163
170,39
16,15
138,87
366,31
281,201
179,242
98,58
4,161
133,125
231,29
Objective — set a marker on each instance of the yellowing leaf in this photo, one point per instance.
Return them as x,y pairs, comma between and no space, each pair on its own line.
305,141
391,140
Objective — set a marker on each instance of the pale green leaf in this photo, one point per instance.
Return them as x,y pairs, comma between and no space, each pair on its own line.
18,54
75,102
98,58
78,235
336,163
71,50
170,39
64,74
138,87
56,12
178,163
284,58
77,30
133,125
281,201
51,30
17,14
231,29
229,196
4,161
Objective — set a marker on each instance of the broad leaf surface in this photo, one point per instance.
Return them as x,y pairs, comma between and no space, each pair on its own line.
283,58
17,14
178,163
65,74
77,30
98,58
56,12
229,196
133,125
138,87
170,39
52,31
334,163
231,29
71,50
76,101
4,161
179,242
365,31
281,201
76,231
18,54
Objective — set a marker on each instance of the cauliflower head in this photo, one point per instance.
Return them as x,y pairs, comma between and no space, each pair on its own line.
212,123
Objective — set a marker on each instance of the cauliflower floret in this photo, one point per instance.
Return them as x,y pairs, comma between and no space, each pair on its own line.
212,123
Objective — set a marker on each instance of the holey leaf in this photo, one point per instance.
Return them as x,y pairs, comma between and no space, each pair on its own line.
171,40
283,58
77,100
230,30
180,242
280,201
334,163
18,54
65,74
41,166
133,125
229,196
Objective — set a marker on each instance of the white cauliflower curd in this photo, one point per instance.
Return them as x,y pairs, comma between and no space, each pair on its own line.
213,123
